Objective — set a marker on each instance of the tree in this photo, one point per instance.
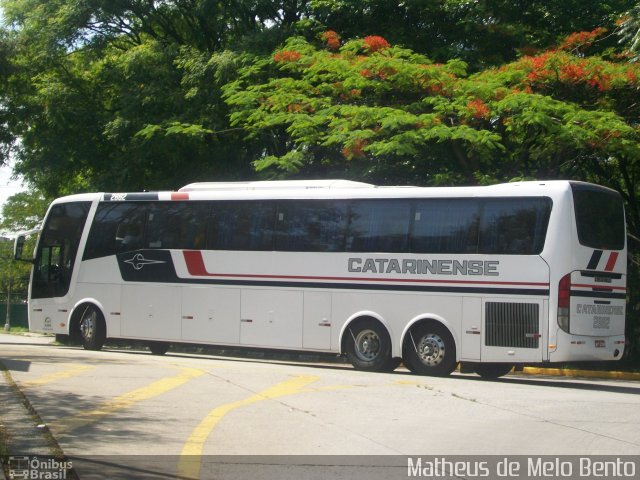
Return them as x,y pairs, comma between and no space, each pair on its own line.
94,97
389,114
23,211
126,95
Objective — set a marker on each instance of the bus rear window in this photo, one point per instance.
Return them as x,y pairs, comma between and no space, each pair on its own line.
599,217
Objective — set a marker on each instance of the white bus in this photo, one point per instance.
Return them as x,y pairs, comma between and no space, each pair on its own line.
497,276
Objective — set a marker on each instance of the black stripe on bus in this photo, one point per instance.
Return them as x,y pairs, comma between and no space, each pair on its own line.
615,276
583,293
595,259
367,286
121,197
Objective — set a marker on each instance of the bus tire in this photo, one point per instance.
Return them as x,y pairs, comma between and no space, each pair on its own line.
93,331
368,346
492,370
158,348
392,364
429,349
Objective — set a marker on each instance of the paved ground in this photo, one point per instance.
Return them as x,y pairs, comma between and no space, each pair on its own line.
180,410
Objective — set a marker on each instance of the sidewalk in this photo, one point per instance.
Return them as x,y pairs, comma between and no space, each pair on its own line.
22,430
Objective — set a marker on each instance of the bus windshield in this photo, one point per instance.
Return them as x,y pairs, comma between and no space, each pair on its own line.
57,249
599,217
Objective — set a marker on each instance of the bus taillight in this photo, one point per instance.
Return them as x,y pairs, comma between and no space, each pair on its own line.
564,302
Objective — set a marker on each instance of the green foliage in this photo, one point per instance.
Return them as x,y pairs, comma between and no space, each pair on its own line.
23,211
547,116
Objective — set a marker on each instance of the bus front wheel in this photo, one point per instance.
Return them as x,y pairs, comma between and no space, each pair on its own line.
429,349
92,329
368,346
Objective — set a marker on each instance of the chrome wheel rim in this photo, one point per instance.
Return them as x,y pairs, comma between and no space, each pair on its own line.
431,350
367,345
88,325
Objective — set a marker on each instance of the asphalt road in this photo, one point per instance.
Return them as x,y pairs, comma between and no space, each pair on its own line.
184,408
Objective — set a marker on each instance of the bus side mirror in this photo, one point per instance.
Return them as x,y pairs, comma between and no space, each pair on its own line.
18,247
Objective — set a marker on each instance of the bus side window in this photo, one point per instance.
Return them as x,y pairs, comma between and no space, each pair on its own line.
113,222
176,225
517,227
305,226
130,232
445,226
379,226
241,225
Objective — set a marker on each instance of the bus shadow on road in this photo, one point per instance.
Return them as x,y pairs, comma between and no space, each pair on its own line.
14,365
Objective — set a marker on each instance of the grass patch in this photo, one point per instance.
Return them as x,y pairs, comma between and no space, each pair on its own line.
18,330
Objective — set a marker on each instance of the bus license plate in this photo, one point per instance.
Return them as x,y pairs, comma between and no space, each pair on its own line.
600,344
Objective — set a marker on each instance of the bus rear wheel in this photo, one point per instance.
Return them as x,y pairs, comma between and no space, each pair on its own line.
368,346
492,370
429,349
92,329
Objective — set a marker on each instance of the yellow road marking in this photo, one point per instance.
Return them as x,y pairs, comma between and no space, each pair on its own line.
189,464
70,372
126,400
564,372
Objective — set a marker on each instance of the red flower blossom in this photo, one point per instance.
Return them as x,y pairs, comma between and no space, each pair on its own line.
478,109
332,39
366,73
355,150
286,56
572,73
579,40
375,43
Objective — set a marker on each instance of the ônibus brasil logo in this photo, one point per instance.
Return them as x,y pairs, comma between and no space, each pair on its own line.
38,468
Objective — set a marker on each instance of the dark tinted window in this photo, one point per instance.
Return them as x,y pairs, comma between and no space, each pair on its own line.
117,227
599,217
463,226
379,226
57,249
445,226
241,226
176,225
517,226
307,226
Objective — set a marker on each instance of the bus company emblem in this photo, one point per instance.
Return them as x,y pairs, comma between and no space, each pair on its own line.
138,261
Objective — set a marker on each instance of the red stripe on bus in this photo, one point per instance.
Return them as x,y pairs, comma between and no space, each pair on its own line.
613,258
179,196
195,263
196,267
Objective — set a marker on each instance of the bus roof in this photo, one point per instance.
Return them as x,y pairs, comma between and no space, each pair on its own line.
330,189
273,185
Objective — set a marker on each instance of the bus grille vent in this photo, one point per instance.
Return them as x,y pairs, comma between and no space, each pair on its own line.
512,325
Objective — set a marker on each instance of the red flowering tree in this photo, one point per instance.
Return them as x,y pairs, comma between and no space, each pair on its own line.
388,114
